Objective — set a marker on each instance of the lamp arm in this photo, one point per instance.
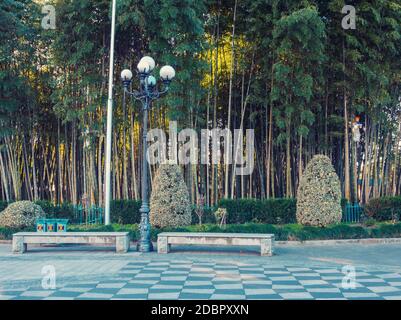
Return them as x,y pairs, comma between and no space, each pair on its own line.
158,94
136,94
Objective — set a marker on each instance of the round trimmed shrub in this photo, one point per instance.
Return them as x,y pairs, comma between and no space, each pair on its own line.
21,214
169,202
319,194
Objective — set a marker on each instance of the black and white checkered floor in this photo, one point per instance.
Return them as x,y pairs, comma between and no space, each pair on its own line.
175,279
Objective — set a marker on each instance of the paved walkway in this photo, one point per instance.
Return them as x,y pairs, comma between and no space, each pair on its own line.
296,272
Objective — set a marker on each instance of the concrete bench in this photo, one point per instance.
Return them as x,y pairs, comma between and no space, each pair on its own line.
119,239
265,241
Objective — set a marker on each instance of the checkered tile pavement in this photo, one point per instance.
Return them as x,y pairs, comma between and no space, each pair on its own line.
158,279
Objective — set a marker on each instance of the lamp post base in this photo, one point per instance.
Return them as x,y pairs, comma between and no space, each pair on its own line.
145,244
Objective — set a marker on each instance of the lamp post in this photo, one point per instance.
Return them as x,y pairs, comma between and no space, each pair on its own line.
146,94
107,166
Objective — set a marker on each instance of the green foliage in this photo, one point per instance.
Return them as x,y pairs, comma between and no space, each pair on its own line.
3,205
125,211
18,35
273,211
6,233
63,211
369,222
208,216
300,53
384,208
114,227
386,231
121,211
292,58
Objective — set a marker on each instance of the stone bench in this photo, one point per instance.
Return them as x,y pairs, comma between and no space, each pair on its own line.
265,241
119,239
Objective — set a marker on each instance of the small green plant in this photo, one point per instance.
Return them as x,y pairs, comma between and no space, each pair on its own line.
200,208
221,216
369,222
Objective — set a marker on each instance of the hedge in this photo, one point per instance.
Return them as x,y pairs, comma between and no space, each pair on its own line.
7,233
240,211
125,211
208,215
384,208
272,211
64,211
121,211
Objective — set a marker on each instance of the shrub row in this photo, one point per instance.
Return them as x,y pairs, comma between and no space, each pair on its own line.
6,233
63,211
121,211
384,208
208,215
272,211
125,211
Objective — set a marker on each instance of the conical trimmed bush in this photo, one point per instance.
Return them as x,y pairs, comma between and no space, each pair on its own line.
319,194
169,202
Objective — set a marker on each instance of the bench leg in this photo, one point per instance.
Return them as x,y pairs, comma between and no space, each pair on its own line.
122,244
266,247
18,245
162,245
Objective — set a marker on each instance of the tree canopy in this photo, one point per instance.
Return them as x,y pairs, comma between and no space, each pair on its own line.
286,69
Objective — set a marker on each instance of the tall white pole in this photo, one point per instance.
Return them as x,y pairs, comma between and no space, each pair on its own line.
109,119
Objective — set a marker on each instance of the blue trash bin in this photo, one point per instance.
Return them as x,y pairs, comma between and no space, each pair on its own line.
41,225
62,225
51,225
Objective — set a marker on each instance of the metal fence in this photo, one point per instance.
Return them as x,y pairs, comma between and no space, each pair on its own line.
353,213
88,215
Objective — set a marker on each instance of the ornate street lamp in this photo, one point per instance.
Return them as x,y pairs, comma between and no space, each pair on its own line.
146,94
